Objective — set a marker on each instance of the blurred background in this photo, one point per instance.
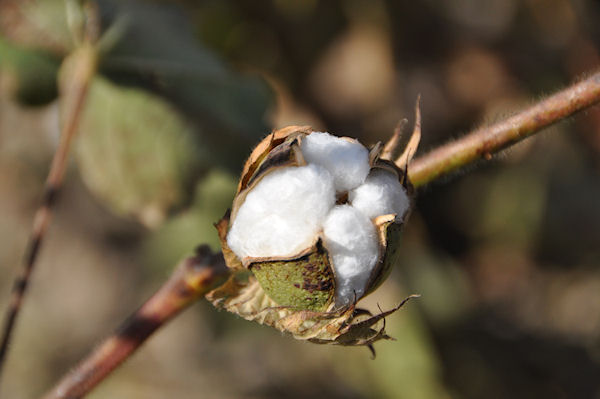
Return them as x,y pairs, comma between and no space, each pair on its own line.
506,254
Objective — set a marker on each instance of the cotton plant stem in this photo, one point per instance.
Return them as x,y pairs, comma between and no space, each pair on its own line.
487,140
193,278
82,66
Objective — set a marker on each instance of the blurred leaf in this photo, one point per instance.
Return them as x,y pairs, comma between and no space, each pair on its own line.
154,46
34,73
443,283
37,24
181,234
406,368
135,152
417,374
514,206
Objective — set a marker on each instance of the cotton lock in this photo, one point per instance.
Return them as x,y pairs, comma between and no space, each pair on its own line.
283,214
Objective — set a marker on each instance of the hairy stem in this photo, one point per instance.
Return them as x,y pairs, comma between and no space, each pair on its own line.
485,141
82,65
192,278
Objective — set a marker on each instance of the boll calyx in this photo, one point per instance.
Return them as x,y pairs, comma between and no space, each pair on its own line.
313,229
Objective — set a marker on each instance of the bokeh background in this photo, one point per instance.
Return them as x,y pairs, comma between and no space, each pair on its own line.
506,254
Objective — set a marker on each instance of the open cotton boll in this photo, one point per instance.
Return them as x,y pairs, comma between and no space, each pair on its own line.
282,214
380,194
346,160
351,240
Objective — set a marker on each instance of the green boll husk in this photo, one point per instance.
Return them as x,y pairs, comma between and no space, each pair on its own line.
306,282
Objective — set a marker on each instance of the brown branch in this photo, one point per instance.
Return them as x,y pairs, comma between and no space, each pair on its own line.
82,65
192,278
485,141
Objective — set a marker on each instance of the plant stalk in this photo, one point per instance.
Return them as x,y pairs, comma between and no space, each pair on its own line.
192,278
487,140
73,92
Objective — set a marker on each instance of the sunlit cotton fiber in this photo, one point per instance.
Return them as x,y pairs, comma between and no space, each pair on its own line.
283,213
351,240
347,160
381,194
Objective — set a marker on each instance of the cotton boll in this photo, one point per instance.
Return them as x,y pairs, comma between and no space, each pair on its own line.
351,240
381,194
346,160
282,214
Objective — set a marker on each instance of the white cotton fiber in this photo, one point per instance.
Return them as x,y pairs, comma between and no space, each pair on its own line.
346,160
381,194
283,213
352,242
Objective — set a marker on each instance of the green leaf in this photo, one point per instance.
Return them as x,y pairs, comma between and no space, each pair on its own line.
180,234
156,48
34,73
135,152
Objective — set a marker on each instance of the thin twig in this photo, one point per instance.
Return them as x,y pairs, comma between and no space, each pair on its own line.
72,100
485,141
192,278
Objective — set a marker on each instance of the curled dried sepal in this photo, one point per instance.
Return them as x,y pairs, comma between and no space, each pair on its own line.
415,138
364,328
349,326
263,149
279,149
389,229
231,260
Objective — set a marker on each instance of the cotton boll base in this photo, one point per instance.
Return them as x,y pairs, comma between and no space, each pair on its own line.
347,160
381,194
352,242
283,213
